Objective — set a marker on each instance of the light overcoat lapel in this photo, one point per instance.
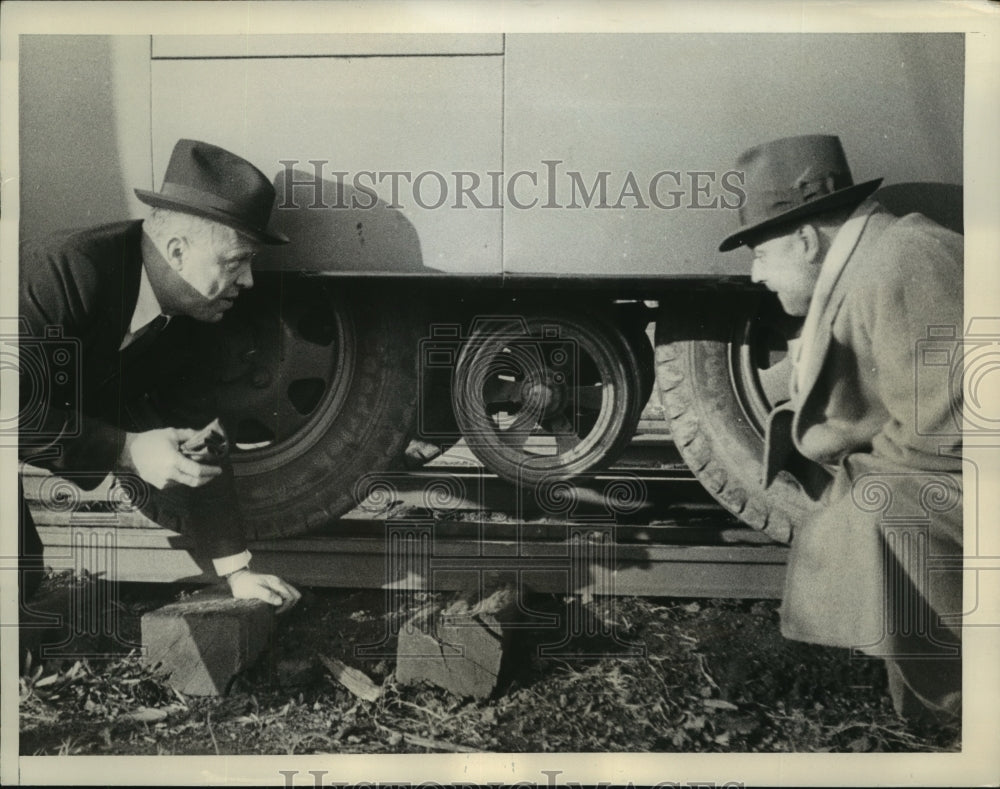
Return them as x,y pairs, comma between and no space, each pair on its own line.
851,245
826,300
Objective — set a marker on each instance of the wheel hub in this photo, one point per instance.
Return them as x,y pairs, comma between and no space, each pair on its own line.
551,395
545,394
277,364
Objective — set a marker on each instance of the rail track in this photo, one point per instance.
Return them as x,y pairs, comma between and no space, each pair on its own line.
644,527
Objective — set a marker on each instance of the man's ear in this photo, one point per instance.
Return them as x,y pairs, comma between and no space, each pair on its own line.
176,249
811,242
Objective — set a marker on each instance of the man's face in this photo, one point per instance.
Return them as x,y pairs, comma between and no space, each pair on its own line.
785,265
216,273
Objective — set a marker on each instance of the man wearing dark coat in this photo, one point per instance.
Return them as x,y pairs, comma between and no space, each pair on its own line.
876,567
122,295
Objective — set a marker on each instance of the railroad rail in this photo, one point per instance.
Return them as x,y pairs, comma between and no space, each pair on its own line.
645,527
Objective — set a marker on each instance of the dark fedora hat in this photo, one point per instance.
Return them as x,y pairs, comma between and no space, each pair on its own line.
211,182
790,179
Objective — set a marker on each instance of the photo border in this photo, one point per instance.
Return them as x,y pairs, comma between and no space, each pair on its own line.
979,761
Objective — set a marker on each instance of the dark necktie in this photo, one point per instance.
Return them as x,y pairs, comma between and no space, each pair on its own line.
145,337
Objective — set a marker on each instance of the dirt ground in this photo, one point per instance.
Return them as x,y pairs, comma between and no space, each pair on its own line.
668,675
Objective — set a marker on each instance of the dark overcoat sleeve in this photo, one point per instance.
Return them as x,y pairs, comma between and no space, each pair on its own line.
62,312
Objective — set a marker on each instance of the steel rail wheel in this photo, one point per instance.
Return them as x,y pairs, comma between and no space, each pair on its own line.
546,396
316,387
720,371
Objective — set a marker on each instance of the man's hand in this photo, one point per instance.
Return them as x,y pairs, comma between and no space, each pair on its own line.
155,456
247,585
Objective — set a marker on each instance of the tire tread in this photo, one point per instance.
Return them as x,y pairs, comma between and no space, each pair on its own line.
698,422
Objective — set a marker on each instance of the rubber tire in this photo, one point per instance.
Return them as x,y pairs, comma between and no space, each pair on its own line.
366,435
618,350
710,426
643,350
439,413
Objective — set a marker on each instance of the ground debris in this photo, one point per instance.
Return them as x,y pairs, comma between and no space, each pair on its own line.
646,675
719,704
437,745
355,681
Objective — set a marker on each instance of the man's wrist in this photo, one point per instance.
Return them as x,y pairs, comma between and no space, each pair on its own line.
227,565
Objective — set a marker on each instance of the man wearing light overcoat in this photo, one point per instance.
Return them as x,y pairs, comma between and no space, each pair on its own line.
874,444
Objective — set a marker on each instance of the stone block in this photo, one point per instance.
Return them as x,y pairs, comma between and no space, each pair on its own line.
205,640
459,645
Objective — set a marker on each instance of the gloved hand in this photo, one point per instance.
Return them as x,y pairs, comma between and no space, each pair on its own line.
156,457
245,584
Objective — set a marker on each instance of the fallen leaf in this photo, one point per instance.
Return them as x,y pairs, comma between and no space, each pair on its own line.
147,715
719,704
355,681
860,745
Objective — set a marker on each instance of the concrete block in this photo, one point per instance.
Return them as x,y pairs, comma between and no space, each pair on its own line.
459,645
205,640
